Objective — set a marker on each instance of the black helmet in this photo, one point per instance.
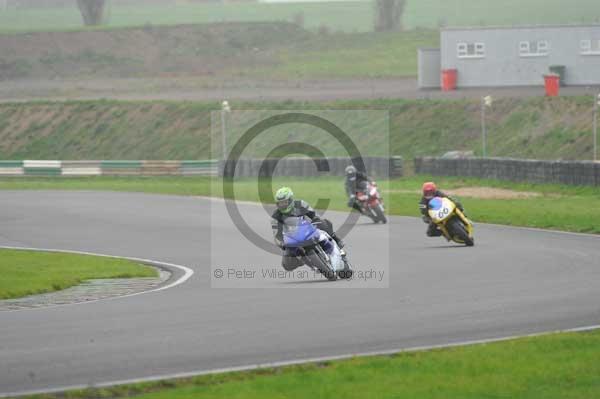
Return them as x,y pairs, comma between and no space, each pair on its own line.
350,172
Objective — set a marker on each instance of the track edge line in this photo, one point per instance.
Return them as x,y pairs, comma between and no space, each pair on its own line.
285,363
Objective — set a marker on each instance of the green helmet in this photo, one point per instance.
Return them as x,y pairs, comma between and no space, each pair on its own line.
284,198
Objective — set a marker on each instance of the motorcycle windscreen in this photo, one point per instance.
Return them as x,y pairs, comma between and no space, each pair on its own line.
297,231
440,209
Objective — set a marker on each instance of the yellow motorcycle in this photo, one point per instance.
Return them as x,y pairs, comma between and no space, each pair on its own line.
453,224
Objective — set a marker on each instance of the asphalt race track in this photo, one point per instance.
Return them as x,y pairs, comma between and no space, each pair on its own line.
514,281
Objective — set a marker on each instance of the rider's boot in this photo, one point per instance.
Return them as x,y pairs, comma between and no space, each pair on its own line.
340,245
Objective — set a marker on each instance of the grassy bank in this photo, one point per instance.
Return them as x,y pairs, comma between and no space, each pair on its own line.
553,366
541,128
545,206
214,53
342,16
356,55
27,273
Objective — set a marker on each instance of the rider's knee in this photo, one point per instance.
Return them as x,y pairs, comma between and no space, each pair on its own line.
327,226
433,231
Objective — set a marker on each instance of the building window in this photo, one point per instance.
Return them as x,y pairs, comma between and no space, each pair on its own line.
590,47
470,50
533,48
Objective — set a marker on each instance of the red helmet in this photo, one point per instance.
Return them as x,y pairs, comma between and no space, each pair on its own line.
429,189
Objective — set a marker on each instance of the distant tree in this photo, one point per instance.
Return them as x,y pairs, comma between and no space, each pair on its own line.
388,15
92,11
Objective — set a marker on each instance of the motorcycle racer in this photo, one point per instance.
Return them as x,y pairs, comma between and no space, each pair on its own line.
356,181
286,207
430,191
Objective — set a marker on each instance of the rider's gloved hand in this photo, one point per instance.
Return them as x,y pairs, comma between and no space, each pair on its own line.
426,219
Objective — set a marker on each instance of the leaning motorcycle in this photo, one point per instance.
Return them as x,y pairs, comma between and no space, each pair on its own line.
371,203
315,247
453,223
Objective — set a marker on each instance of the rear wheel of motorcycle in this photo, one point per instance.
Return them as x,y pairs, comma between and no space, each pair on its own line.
317,262
370,213
380,215
459,230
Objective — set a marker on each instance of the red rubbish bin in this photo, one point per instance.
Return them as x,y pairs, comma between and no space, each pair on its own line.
552,84
449,78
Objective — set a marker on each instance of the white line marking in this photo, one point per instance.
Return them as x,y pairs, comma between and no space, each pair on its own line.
537,229
187,273
295,362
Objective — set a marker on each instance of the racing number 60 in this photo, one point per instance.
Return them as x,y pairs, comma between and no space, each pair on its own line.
443,212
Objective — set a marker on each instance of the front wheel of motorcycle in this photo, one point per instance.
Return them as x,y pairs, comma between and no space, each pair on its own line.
347,272
459,230
380,214
321,265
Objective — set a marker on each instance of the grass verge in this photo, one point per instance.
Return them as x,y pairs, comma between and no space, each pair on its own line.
547,206
551,366
357,55
27,272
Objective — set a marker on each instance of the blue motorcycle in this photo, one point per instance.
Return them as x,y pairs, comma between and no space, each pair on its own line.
315,247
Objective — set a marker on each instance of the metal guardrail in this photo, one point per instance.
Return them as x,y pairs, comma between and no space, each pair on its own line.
583,173
108,168
380,167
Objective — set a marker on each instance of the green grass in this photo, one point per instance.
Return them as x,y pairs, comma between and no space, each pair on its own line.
373,55
556,207
350,16
354,16
557,366
27,273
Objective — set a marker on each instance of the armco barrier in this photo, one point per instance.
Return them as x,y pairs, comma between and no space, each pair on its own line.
585,173
379,167
206,168
108,168
42,168
11,168
161,168
121,168
81,168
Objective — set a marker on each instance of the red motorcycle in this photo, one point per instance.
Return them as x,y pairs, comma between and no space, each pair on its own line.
371,203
